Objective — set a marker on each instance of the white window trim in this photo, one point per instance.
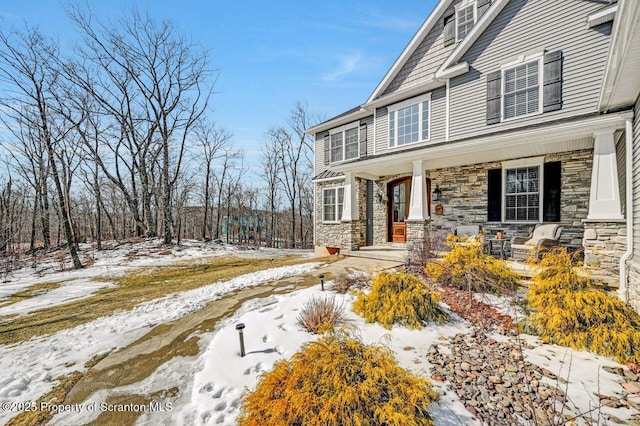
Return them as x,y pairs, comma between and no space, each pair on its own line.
343,130
521,60
393,109
464,5
338,213
515,164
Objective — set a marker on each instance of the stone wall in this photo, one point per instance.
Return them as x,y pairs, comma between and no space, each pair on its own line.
633,284
604,244
464,197
346,235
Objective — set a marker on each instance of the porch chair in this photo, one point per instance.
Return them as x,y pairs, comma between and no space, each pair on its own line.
544,237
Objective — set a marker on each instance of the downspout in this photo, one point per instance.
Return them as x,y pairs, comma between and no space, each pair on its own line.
623,290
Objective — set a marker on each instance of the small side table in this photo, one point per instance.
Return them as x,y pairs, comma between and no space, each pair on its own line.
498,247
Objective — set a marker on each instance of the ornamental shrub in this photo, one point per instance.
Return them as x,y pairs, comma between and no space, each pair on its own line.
399,298
466,267
567,310
338,380
319,315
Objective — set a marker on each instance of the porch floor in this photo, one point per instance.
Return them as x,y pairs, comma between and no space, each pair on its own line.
390,252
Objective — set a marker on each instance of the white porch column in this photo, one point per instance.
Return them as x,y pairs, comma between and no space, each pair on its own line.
604,202
350,203
418,200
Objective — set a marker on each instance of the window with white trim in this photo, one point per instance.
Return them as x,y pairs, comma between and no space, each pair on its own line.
465,20
344,144
522,89
409,122
522,194
332,202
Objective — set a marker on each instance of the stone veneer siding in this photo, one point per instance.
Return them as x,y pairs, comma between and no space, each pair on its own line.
464,201
346,235
464,197
604,244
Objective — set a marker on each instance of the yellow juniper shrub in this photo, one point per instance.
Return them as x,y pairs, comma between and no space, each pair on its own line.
338,380
568,311
466,265
399,298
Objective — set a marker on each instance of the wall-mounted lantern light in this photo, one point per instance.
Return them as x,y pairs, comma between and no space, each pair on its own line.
437,193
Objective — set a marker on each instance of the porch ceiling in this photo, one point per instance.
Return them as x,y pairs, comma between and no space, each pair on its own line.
568,136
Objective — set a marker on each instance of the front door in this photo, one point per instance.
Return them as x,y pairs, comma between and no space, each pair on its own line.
399,192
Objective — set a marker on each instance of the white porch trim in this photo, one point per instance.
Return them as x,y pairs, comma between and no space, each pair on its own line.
350,204
418,200
604,202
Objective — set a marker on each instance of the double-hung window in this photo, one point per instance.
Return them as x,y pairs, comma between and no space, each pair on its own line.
522,194
332,202
344,144
526,190
409,121
465,20
522,89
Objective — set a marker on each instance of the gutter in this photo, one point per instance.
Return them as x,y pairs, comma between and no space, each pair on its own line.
623,290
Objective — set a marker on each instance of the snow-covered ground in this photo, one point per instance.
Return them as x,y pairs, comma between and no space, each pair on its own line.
111,262
211,383
28,368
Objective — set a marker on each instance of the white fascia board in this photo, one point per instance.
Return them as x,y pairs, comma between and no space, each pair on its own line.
454,71
625,30
340,121
430,84
422,32
602,16
466,43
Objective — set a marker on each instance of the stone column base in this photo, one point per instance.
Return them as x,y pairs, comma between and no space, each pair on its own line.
604,244
350,235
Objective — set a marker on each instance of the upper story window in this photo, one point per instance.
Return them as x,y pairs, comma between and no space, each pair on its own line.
465,19
522,94
409,121
460,22
344,144
529,85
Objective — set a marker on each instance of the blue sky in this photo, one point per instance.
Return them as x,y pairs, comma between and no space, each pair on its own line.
270,54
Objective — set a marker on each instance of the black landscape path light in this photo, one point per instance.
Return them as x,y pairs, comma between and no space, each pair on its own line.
240,327
321,276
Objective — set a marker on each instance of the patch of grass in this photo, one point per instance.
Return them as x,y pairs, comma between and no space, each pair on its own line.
53,397
134,288
345,282
29,292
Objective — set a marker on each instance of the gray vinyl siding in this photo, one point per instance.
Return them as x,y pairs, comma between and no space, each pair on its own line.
426,59
521,27
636,180
319,143
438,114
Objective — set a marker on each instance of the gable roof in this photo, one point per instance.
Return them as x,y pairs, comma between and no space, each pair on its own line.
422,32
471,37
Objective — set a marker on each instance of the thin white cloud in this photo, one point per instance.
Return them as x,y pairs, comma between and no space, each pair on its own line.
348,64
